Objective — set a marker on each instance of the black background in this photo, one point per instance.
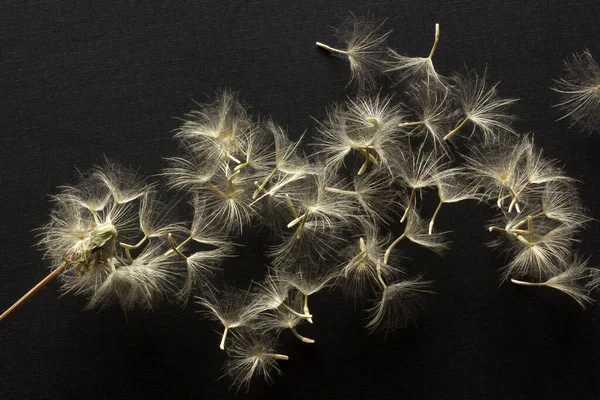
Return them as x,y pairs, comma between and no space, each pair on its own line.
80,80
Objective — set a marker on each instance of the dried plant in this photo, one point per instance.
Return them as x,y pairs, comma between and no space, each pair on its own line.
92,242
329,215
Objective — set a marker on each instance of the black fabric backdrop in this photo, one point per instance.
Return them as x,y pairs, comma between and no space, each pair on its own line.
85,79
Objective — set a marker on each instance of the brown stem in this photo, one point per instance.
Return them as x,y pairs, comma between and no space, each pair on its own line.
57,271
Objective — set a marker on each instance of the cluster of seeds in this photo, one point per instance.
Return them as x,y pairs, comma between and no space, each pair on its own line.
330,215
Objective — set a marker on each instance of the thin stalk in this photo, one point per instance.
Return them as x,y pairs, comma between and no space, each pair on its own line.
363,167
410,201
380,277
518,282
299,336
179,246
341,191
296,313
329,48
218,191
129,247
291,206
512,230
362,245
232,176
276,356
515,197
57,271
527,242
501,198
389,250
436,40
263,184
437,210
524,220
296,220
235,160
113,208
365,152
414,123
306,310
453,131
175,248
222,345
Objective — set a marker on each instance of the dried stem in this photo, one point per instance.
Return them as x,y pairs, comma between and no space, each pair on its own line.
57,271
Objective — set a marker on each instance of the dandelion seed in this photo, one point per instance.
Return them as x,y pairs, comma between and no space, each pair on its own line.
228,201
362,269
362,41
580,92
251,355
279,319
141,283
217,131
372,192
416,68
234,308
561,203
308,279
418,170
540,255
417,231
124,185
432,110
273,293
190,172
537,170
366,126
570,282
481,106
287,167
398,305
498,168
452,187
